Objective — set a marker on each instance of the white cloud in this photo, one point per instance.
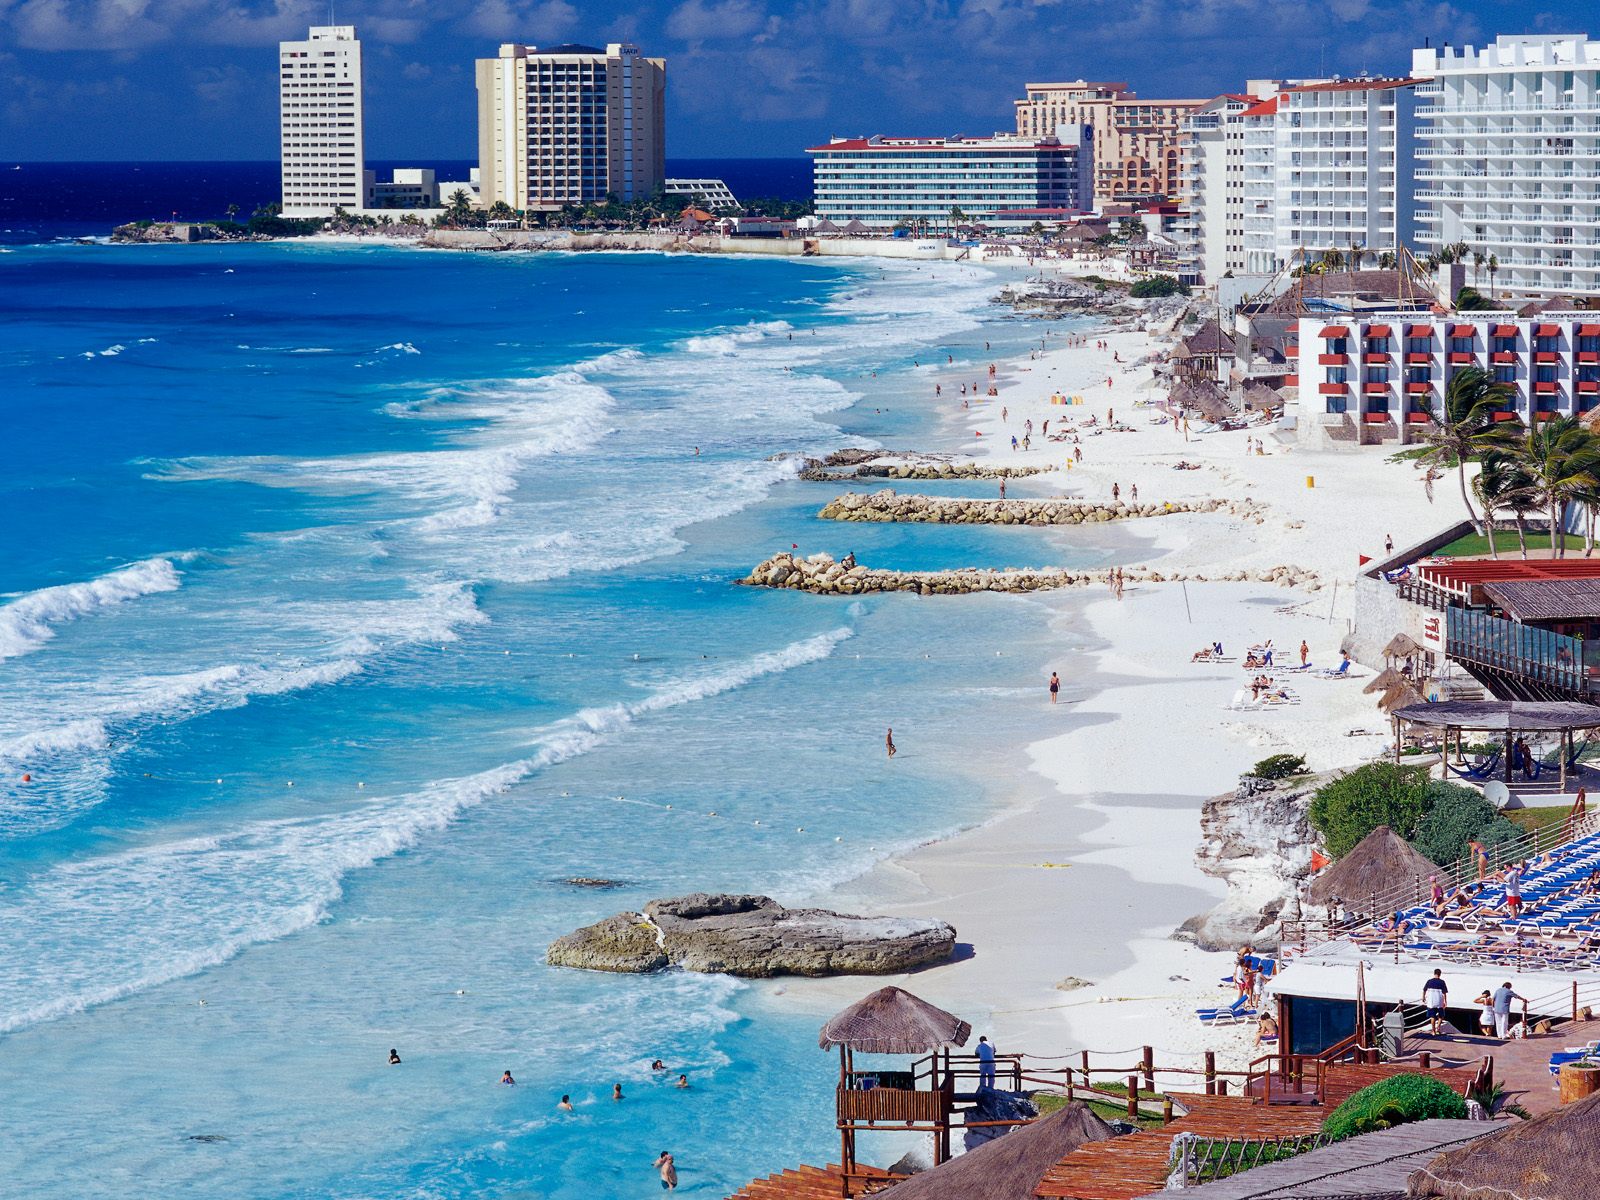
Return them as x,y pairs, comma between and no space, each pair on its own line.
700,21
539,22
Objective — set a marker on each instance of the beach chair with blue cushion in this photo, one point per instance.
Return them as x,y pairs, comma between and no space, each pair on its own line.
1232,1014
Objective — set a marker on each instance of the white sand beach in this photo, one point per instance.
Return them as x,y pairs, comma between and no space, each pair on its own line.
1091,867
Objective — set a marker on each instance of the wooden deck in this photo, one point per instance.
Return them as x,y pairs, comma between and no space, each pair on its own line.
1136,1165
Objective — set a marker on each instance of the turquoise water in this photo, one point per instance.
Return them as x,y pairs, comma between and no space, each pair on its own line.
357,598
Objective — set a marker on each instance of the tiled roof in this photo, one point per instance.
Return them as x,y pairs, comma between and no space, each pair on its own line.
1356,85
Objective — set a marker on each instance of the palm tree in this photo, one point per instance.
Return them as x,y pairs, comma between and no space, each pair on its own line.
1477,265
1332,259
1561,459
1494,269
1388,261
1357,253
1467,427
1503,484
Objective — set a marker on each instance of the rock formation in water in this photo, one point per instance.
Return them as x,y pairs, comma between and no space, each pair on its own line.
754,937
887,505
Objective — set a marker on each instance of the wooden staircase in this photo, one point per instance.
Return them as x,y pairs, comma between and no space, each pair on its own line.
804,1183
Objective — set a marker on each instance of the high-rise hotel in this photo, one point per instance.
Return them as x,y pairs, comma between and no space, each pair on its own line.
319,121
570,124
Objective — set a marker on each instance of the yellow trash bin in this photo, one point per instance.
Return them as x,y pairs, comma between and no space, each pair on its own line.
1311,481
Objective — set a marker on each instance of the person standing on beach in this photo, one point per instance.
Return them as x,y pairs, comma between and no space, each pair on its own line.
1055,686
1305,653
1116,493
1002,488
669,1171
1133,493
888,741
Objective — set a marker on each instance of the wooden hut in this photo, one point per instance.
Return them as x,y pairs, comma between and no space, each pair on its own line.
1551,1157
1009,1167
893,1021
1380,862
1202,352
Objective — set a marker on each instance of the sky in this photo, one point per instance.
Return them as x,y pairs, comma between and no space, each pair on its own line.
115,80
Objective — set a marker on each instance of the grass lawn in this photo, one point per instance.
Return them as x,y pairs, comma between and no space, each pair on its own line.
1544,819
1475,545
1050,1102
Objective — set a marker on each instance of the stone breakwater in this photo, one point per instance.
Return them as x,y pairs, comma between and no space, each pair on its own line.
822,574
920,470
887,505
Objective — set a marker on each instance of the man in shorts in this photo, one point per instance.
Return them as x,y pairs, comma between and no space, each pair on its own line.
1435,994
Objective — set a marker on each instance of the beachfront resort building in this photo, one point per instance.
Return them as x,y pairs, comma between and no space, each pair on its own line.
319,123
1135,141
704,193
570,125
1211,178
1510,158
1373,377
1000,181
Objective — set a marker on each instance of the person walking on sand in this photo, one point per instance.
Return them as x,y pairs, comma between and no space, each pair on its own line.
1133,493
1077,454
1305,653
669,1172
1055,686
888,741
1116,493
1388,544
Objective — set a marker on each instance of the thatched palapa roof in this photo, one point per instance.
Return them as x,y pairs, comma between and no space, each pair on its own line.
1401,645
893,1021
1504,716
1260,397
1383,681
1203,396
1206,342
1404,694
855,225
1009,1167
1551,1157
1379,861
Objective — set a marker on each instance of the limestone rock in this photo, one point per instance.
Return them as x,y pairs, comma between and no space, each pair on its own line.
753,937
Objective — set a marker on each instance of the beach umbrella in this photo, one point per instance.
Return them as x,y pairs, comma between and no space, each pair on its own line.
1400,645
1009,1167
893,1021
1376,865
1383,681
1551,1157
1402,695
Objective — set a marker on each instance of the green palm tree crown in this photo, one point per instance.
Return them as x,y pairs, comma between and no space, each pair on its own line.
1467,427
1561,461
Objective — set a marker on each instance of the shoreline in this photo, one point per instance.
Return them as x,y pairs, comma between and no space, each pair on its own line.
1083,868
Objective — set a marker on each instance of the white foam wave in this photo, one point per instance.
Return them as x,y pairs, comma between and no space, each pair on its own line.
29,621
398,347
92,931
730,340
108,352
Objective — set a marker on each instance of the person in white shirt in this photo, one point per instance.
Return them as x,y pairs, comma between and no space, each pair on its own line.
985,1063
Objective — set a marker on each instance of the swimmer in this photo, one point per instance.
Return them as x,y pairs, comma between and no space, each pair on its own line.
566,1104
506,1079
616,1091
658,1065
394,1058
888,742
683,1081
669,1172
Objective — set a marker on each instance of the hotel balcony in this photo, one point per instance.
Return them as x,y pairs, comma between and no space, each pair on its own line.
1333,389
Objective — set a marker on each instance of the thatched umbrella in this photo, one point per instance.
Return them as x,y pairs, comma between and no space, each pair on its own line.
1383,681
856,226
1379,862
1401,645
1551,1157
1401,695
893,1021
1009,1167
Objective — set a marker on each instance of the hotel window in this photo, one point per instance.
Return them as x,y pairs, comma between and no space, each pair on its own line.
1504,345
1545,374
1460,345
1338,404
1505,373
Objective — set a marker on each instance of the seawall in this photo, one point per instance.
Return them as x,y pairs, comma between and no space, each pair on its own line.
887,505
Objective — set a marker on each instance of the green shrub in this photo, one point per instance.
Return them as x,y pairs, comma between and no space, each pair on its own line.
1457,815
1279,766
1351,806
1158,285
1398,1100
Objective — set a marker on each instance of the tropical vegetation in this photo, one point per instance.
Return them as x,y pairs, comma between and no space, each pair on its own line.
1398,1100
1438,818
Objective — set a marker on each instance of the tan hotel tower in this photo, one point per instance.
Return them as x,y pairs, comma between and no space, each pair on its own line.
1135,141
568,124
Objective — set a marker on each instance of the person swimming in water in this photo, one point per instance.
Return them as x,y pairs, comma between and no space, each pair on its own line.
616,1091
394,1058
669,1171
658,1065
683,1081
506,1079
566,1104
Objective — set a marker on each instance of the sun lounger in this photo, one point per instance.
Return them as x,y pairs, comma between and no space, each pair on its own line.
1232,1014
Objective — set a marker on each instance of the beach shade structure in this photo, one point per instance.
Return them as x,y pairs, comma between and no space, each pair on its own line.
1383,681
1258,397
824,226
1403,694
1203,396
856,226
1550,1157
1379,863
1504,721
1009,1167
893,1021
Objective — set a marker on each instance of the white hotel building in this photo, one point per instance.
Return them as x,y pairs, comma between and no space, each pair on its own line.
319,107
1510,158
996,181
1373,377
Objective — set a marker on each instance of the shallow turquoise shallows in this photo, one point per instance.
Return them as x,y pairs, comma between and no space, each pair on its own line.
355,599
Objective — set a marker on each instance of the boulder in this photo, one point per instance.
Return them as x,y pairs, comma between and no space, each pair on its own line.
752,937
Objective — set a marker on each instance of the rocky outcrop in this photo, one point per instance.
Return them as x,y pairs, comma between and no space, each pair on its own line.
887,505
820,573
1256,839
166,232
917,469
754,937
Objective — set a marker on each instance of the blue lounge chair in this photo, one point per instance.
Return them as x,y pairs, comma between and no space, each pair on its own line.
1238,1011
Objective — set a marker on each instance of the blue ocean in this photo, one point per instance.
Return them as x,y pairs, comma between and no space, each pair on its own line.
356,600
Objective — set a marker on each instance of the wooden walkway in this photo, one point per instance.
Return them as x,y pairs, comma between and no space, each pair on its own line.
1136,1164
